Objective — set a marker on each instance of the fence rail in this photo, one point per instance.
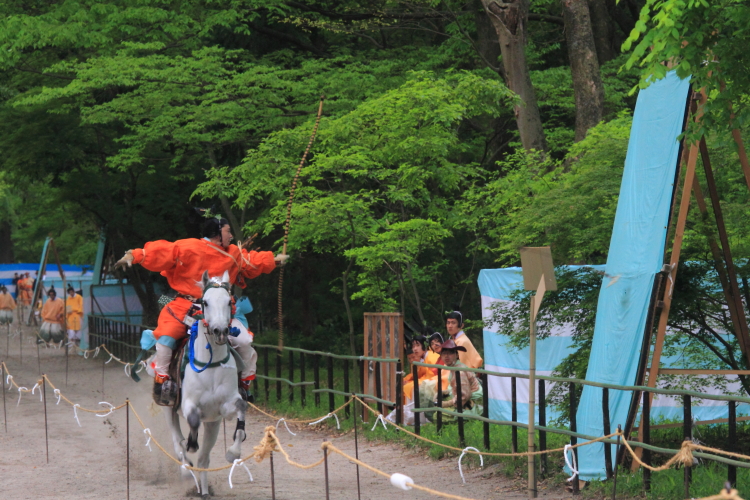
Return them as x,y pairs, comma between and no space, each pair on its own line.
298,369
121,338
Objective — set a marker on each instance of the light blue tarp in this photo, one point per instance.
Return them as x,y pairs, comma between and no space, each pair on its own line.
636,254
497,286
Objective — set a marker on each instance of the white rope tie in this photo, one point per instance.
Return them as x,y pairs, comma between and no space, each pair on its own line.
75,414
57,393
111,409
41,396
127,369
234,464
86,354
381,420
20,392
287,427
96,352
573,467
8,379
110,359
326,417
184,466
147,432
481,461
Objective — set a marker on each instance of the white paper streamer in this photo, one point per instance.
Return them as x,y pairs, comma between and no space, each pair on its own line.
234,464
481,461
75,413
573,466
328,416
111,409
381,420
287,427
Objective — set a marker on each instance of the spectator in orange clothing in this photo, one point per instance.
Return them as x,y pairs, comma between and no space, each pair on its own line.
52,318
455,326
418,354
182,263
7,305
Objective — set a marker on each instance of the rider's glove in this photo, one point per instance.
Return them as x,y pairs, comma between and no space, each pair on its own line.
281,259
127,260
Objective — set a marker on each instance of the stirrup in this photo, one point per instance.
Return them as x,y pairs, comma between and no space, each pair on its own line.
165,393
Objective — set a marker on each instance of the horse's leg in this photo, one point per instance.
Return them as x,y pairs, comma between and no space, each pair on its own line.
178,440
240,408
210,433
193,416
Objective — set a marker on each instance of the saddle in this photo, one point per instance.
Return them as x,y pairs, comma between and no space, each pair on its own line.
172,388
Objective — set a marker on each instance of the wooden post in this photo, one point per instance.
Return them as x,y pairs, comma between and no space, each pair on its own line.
485,410
331,396
415,377
291,375
606,426
460,410
687,434
302,377
513,416
543,423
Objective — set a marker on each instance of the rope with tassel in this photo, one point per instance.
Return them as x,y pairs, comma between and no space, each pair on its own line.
289,216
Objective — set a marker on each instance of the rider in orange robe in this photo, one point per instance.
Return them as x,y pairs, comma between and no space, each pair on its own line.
182,263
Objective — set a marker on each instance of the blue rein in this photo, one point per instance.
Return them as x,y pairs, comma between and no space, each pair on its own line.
191,349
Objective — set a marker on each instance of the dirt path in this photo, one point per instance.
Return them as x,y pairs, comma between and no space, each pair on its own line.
89,461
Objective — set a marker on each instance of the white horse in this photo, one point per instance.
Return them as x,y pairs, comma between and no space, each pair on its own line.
209,389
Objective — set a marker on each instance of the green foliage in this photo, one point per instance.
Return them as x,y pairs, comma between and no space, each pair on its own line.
704,40
569,204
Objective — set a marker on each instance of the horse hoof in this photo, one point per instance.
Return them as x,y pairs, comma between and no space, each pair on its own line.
231,456
192,447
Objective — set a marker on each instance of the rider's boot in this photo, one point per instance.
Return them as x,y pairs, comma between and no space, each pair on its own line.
245,390
165,390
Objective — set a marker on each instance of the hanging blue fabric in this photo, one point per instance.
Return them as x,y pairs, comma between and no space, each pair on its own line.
191,349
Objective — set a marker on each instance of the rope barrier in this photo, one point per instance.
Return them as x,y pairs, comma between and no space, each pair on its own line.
329,447
554,450
310,422
270,442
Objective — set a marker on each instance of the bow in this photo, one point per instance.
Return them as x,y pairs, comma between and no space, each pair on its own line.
289,216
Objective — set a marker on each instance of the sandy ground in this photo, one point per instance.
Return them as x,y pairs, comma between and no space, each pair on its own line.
90,461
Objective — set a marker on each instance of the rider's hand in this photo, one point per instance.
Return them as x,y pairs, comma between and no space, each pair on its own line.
127,260
281,258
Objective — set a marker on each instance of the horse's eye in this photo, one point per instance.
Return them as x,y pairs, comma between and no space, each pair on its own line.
205,303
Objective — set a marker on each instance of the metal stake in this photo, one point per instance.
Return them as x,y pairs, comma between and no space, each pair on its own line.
325,462
2,382
225,435
103,363
38,361
356,448
127,443
20,347
273,483
66,364
614,481
44,398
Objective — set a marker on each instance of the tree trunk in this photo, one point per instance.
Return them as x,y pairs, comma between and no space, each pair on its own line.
509,19
225,204
6,244
488,45
587,80
603,29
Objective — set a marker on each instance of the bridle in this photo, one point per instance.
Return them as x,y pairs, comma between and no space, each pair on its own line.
207,331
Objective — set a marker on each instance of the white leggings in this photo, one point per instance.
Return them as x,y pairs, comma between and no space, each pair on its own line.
241,343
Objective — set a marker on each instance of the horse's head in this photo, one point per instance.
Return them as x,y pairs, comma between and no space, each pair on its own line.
217,307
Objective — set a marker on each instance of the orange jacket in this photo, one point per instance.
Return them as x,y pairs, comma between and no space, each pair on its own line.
184,261
53,310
